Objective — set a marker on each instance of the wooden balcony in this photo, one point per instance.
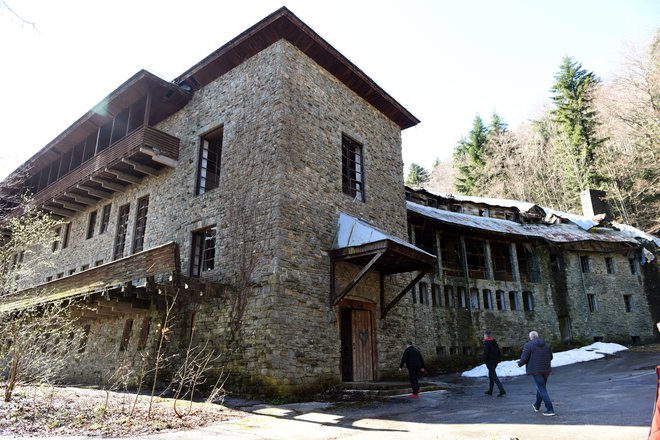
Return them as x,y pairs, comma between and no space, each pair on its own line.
116,275
146,151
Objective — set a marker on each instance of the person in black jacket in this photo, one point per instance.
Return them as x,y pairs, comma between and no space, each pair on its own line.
412,359
492,358
537,356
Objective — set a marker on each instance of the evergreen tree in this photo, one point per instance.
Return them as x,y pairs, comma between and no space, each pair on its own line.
574,112
469,158
417,176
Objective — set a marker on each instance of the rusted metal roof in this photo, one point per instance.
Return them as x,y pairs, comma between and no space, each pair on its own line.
556,233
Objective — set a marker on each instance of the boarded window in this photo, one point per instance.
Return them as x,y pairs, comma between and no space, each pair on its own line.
203,251
210,153
352,170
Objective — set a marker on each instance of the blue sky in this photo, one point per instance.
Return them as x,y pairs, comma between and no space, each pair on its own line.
444,61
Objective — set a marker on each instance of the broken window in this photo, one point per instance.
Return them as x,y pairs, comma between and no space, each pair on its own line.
476,259
450,253
140,224
120,236
203,251
210,153
352,169
501,255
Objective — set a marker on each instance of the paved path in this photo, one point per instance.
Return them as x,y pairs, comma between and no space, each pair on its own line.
610,398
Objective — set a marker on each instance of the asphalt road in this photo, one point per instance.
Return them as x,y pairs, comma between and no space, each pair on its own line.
610,398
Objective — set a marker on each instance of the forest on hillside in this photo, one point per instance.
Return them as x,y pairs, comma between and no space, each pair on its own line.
592,135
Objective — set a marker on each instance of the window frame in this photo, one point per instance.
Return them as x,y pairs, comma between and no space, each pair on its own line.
352,168
209,161
121,232
585,263
91,224
105,218
200,251
139,230
592,303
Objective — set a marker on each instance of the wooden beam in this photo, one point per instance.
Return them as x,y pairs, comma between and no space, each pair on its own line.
70,205
94,191
81,199
141,167
107,185
392,303
358,277
59,211
168,161
123,176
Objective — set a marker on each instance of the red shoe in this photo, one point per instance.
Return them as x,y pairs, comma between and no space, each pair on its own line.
414,396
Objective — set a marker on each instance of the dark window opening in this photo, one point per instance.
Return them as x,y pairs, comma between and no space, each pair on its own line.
91,224
104,137
90,146
435,295
474,298
609,265
423,293
203,251
598,339
467,351
120,236
585,264
633,266
65,163
636,340
210,153
84,267
440,351
488,299
425,239
136,117
555,263
140,224
119,126
449,296
528,301
144,333
453,350
527,265
628,303
501,255
514,302
85,336
352,168
462,297
591,301
500,300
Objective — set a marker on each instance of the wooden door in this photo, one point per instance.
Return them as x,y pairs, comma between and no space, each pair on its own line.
362,344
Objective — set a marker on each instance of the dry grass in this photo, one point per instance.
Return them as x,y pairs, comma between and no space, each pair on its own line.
35,411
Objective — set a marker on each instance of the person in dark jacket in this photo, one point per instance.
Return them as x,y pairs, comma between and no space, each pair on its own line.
414,361
492,358
536,357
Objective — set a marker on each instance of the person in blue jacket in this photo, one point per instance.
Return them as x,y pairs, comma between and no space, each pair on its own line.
536,356
412,359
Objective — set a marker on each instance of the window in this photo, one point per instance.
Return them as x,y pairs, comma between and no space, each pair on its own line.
555,263
126,335
467,351
501,256
440,351
527,264
58,239
488,299
49,279
633,266
500,300
425,239
66,229
91,224
628,303
60,275
98,263
144,333
449,296
435,295
474,298
514,302
105,219
585,264
84,267
203,251
120,236
528,301
591,300
85,336
352,170
609,264
476,258
208,173
72,271
423,293
462,297
140,224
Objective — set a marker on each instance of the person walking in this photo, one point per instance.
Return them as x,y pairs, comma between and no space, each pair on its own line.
536,357
414,361
492,358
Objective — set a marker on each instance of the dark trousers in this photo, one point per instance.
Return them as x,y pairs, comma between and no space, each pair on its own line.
541,392
413,374
493,379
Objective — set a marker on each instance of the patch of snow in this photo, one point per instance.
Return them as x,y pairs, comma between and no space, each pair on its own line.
591,352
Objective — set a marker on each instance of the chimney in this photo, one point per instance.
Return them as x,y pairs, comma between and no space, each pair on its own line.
594,203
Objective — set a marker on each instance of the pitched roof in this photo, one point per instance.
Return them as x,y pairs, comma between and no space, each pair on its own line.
283,24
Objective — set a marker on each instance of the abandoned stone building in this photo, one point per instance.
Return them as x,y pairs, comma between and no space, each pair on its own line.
262,190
